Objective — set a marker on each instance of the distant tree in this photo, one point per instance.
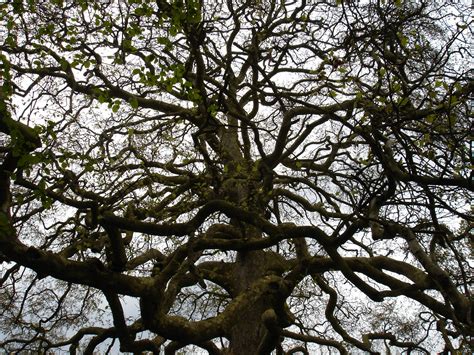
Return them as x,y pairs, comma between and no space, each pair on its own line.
255,176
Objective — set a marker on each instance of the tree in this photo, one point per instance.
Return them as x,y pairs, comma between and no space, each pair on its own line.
243,177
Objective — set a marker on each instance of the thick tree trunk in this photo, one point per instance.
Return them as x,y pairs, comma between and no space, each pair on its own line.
249,330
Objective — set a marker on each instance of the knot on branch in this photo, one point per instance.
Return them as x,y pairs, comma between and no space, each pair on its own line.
272,334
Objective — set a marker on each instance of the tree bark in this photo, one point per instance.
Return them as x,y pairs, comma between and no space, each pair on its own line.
251,329
248,331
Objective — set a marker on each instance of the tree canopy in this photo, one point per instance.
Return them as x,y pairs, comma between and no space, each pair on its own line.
236,177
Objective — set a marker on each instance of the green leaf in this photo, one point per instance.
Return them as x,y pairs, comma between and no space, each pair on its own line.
18,6
403,101
430,118
89,166
403,39
103,98
64,64
452,119
133,102
453,100
115,106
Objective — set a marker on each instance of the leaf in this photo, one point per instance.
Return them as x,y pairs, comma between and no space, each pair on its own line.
89,166
452,119
102,98
403,40
64,64
342,70
133,102
403,101
115,106
430,118
396,87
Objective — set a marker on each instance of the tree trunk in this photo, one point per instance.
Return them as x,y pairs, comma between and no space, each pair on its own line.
250,330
